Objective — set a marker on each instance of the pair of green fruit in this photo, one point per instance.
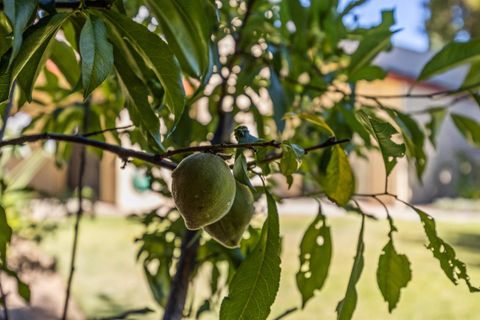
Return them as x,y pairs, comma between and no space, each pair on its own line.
208,196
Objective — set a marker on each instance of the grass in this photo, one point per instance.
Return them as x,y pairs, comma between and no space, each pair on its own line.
109,281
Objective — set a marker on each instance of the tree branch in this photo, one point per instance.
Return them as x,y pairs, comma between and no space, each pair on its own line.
121,152
78,217
94,133
330,142
409,95
76,4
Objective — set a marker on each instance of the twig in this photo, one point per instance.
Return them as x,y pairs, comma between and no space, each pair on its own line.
94,133
218,147
179,285
121,152
286,313
408,95
3,296
76,4
126,314
78,217
330,142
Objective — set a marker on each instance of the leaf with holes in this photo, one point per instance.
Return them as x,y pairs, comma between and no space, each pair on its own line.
453,268
255,284
315,257
393,274
338,181
96,53
382,131
346,307
414,139
437,115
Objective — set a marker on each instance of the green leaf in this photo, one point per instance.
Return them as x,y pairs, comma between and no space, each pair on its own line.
240,170
22,288
393,274
346,307
368,73
157,56
452,55
383,131
19,12
453,268
289,162
279,100
437,115
64,58
367,50
187,25
5,235
136,94
338,181
96,53
468,127
34,44
4,83
414,139
472,79
255,284
315,257
29,74
318,121
5,32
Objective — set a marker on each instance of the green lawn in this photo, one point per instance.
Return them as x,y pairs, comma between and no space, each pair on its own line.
108,280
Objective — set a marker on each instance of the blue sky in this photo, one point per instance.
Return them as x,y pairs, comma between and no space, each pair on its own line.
410,16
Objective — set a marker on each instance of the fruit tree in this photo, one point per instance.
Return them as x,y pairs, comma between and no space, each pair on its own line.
229,95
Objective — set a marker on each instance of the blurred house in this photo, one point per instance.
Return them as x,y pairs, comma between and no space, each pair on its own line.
123,187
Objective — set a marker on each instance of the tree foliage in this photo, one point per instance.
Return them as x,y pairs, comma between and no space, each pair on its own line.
188,73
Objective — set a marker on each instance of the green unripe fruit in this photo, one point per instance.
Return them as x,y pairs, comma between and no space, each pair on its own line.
203,189
229,230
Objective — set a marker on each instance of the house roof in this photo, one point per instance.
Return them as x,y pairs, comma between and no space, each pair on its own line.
408,64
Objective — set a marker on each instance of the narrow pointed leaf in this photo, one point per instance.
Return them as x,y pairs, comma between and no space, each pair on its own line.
452,55
136,94
96,53
64,58
315,257
254,287
157,56
468,127
34,43
346,307
19,12
187,25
